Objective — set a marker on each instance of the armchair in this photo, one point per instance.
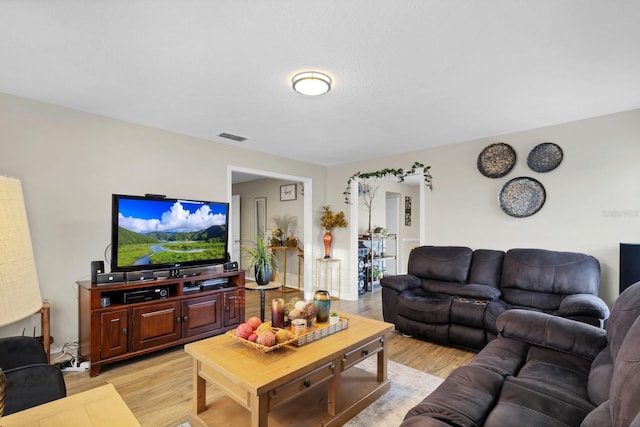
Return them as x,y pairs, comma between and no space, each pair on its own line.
31,381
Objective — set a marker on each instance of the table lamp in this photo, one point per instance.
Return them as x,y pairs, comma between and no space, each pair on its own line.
19,289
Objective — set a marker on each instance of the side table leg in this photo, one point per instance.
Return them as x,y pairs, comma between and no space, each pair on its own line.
45,322
335,386
259,410
199,389
262,305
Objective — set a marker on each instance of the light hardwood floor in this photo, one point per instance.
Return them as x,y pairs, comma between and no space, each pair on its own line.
158,387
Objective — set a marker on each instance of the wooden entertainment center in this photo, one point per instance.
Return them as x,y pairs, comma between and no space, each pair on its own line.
133,322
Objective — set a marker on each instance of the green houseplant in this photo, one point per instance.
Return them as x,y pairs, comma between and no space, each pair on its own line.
261,259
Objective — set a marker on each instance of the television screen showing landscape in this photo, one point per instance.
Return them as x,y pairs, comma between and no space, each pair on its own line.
153,232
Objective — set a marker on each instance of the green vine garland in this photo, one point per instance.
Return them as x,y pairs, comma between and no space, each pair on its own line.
399,174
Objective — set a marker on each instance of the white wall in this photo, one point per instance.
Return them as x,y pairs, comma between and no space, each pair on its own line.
593,197
71,162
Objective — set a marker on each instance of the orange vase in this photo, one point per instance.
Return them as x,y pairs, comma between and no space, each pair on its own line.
327,243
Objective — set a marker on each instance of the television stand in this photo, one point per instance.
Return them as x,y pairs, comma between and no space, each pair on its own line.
121,330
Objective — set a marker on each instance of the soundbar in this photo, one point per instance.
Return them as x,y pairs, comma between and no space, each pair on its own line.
136,276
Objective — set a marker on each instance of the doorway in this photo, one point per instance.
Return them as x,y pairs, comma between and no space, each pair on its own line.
393,207
237,174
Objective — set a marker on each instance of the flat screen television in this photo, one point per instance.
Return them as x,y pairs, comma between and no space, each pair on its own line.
155,233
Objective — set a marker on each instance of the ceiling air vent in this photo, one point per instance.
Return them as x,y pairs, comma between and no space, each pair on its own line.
232,136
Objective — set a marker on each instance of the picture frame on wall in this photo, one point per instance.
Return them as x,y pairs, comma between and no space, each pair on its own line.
260,217
288,192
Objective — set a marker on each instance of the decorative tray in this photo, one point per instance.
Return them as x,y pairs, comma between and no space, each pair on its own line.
320,330
260,347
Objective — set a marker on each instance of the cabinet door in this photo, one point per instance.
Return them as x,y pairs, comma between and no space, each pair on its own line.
113,333
155,324
201,315
233,307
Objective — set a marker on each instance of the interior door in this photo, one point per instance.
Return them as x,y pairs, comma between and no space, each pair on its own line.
235,228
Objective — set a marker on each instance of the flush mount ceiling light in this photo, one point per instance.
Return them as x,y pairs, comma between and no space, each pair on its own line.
311,83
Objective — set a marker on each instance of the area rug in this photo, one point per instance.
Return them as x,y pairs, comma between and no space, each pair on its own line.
408,387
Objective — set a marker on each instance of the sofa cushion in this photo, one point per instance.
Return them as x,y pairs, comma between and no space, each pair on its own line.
479,292
464,399
486,267
556,373
449,263
599,417
471,290
540,271
625,384
534,299
624,313
600,377
416,304
520,405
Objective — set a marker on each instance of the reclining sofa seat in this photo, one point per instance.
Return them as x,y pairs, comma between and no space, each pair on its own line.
545,370
453,295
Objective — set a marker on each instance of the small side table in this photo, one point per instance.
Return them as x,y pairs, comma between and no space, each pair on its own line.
328,274
253,286
45,321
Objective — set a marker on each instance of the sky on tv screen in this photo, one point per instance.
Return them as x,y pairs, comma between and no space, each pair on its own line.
169,216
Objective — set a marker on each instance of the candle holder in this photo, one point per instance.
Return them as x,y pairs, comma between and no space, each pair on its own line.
277,312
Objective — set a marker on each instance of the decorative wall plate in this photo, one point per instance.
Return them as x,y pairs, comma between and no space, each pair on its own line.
496,160
545,157
522,197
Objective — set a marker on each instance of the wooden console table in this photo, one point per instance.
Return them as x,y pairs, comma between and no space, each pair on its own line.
284,250
98,407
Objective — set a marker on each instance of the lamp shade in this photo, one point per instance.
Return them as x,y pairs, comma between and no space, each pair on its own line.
19,289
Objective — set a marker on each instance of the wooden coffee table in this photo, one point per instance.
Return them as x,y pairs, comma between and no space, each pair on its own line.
317,382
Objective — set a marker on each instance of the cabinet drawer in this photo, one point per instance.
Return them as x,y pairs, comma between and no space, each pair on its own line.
295,387
359,354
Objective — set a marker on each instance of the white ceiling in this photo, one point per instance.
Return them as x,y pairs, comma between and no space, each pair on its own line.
407,74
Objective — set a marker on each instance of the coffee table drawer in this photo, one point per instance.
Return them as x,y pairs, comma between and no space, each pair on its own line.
359,354
294,387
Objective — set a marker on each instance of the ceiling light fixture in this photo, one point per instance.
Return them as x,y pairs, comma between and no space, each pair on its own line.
311,83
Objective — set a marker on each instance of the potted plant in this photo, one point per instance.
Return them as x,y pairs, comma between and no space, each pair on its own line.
261,259
334,318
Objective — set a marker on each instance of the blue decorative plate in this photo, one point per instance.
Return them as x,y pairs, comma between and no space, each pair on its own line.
545,157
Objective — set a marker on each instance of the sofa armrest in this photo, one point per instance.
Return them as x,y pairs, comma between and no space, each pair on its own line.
481,292
401,282
583,305
554,332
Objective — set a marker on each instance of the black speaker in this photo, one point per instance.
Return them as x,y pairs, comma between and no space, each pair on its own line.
97,267
108,278
231,266
629,264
